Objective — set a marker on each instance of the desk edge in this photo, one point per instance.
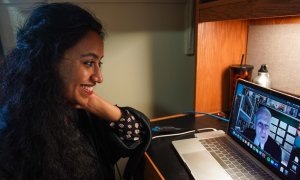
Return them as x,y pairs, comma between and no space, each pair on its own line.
154,166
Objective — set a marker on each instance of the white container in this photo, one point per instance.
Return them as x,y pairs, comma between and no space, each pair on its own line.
263,77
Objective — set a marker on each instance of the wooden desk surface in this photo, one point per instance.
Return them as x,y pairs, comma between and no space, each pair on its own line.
162,156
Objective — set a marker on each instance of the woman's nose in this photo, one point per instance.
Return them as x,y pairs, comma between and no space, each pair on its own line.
97,76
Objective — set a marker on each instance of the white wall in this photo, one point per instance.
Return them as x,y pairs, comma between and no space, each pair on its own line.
145,65
12,15
278,47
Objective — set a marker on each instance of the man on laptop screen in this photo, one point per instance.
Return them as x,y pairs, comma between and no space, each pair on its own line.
263,122
260,134
266,122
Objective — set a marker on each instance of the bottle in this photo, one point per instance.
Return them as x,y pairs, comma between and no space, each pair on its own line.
263,77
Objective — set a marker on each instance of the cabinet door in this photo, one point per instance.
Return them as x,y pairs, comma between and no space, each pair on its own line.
219,45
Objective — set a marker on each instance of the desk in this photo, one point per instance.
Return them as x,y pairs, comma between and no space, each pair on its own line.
162,161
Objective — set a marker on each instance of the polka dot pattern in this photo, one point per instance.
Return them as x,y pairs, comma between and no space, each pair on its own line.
127,127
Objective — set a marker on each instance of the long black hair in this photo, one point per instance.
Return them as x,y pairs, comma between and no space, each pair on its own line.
31,91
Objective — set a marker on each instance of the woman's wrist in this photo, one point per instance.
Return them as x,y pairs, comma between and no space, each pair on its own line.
105,110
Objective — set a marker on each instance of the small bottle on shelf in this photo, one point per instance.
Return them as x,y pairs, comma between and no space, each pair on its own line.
263,77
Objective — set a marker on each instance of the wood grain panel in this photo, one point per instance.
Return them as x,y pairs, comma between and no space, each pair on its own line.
278,20
205,5
228,11
274,8
246,9
219,44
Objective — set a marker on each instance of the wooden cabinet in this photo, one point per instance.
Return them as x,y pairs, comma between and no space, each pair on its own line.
222,31
246,9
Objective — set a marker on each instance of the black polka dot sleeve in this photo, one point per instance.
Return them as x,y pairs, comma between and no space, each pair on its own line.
128,127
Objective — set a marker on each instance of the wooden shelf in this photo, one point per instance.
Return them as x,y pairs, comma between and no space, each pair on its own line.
246,9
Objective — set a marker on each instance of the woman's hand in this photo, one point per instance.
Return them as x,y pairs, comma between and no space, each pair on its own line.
99,107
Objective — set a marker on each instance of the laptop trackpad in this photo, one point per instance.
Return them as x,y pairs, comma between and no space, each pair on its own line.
203,166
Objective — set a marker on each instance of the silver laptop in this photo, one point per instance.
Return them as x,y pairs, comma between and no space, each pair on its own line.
262,140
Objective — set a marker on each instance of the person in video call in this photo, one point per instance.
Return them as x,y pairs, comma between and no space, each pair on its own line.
294,158
260,135
53,125
297,138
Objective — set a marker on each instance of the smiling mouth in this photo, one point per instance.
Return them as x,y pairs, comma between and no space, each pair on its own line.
87,89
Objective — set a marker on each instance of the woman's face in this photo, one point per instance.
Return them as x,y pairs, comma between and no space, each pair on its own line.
80,68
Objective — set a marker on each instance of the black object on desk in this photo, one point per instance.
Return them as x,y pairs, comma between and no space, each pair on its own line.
163,154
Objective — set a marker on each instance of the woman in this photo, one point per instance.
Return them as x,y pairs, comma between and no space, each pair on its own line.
53,124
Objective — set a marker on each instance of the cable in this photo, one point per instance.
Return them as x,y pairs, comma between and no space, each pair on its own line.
166,129
182,133
212,115
177,134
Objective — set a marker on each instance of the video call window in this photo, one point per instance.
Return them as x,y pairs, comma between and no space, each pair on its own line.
282,128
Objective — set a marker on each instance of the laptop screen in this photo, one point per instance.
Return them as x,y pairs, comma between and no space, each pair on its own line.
267,124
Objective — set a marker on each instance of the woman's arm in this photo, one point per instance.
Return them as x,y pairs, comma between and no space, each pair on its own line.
122,145
101,108
126,125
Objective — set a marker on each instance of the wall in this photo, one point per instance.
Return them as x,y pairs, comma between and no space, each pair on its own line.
276,45
145,63
12,14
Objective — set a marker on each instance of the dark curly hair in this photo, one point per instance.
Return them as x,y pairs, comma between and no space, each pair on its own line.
31,93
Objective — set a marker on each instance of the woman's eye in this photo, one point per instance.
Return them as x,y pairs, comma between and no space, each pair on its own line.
93,63
89,63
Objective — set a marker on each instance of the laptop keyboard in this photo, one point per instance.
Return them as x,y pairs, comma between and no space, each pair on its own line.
237,164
